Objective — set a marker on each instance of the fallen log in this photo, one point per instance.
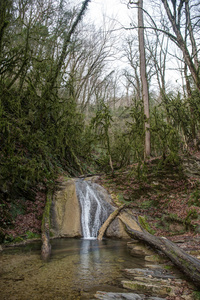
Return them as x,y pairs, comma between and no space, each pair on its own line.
109,220
188,264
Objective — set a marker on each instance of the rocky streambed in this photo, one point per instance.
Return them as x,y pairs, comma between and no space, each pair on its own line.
158,280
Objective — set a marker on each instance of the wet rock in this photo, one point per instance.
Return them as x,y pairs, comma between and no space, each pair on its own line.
152,288
101,191
139,249
123,296
155,258
156,273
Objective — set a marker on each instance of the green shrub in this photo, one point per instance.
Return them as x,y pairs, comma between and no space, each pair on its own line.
194,198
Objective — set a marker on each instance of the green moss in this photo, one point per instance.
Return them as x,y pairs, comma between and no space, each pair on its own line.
8,239
191,215
51,234
167,267
149,288
174,217
147,204
32,235
143,222
18,239
194,198
196,295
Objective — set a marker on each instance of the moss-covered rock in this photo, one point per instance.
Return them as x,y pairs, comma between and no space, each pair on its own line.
155,289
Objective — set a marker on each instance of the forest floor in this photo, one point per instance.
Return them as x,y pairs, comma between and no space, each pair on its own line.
22,219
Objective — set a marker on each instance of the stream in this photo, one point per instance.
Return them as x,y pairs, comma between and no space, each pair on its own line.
77,269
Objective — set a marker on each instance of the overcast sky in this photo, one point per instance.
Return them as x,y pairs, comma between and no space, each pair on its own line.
112,9
104,11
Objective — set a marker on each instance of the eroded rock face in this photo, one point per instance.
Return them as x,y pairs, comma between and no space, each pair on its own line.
65,212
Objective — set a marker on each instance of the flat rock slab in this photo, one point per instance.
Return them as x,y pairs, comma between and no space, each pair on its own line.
156,273
155,289
123,296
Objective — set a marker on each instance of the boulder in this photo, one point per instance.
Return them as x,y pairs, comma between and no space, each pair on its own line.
116,228
65,211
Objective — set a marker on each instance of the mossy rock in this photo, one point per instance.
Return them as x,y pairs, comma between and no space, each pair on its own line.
159,290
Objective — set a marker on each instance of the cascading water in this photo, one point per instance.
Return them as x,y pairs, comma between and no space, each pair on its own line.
94,209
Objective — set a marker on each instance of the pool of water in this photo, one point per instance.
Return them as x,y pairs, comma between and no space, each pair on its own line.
77,269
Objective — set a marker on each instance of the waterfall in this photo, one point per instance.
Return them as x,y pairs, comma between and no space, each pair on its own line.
94,209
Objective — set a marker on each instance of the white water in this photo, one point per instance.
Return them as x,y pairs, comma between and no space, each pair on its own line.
94,209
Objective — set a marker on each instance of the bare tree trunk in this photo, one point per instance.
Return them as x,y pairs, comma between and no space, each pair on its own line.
67,39
182,45
145,92
4,5
192,39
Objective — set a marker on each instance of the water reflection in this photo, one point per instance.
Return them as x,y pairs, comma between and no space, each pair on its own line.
89,253
77,267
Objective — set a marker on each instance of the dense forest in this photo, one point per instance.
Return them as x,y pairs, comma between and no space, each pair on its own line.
66,109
